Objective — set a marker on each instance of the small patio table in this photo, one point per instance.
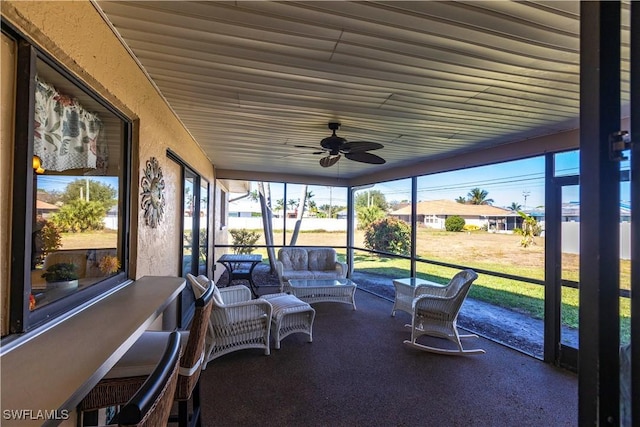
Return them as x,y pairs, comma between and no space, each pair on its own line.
406,291
240,267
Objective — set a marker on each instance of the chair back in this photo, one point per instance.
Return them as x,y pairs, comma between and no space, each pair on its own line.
455,294
461,282
151,404
198,284
193,354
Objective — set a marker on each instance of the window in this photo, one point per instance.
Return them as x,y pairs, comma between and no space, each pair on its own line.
195,232
70,192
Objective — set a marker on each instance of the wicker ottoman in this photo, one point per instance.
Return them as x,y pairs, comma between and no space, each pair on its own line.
290,315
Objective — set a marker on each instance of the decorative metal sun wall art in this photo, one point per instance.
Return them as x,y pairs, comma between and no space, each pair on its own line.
153,201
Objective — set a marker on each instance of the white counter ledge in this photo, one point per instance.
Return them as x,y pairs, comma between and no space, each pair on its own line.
55,369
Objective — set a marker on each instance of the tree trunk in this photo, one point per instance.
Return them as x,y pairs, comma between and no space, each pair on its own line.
265,207
302,202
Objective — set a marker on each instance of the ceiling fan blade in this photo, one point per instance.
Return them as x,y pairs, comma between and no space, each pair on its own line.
364,157
301,154
325,162
309,148
304,146
357,146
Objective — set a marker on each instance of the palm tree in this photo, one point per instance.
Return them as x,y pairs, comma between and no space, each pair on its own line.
279,206
515,206
461,200
478,197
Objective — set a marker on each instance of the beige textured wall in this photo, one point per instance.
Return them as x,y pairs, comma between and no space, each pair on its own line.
7,75
77,36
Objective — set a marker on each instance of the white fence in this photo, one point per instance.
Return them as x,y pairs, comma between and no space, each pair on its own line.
111,222
571,239
255,223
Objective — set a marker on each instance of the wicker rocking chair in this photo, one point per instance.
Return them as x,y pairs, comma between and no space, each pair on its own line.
435,313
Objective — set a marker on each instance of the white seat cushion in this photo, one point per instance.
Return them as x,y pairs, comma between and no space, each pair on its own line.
144,355
284,304
325,274
201,284
322,260
293,258
291,274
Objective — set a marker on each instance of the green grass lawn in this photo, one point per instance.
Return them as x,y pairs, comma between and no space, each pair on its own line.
515,295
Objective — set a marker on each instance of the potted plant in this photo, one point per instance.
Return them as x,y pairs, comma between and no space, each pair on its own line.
61,275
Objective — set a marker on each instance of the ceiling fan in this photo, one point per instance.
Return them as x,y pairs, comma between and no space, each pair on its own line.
334,146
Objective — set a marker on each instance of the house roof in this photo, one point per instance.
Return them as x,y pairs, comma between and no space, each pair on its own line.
44,205
449,207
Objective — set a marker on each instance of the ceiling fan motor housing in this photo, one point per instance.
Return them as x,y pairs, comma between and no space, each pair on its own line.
333,142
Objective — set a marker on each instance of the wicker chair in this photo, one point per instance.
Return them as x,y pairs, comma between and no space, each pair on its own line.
134,367
238,322
435,313
150,405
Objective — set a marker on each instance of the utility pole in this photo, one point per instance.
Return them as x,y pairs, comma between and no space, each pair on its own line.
525,194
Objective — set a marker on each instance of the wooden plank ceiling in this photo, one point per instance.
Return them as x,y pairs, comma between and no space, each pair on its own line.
250,80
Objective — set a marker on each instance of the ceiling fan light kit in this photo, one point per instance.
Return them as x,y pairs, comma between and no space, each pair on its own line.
357,151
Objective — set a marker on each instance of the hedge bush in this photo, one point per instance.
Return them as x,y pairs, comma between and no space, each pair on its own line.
388,235
243,240
454,223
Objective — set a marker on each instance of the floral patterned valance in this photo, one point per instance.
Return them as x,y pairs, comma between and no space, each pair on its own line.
66,135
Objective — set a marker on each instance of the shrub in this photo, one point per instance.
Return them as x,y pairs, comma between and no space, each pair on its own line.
530,229
388,235
46,240
454,223
80,216
367,215
243,240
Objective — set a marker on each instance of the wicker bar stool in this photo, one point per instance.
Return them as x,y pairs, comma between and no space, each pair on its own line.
133,368
150,405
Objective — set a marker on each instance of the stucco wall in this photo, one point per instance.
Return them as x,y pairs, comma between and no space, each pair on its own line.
7,73
78,37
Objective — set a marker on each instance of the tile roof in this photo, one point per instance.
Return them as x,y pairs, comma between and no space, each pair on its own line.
449,207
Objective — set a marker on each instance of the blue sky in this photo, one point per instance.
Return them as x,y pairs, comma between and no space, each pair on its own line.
59,182
506,183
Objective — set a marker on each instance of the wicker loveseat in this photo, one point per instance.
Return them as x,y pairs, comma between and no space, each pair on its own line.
296,262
